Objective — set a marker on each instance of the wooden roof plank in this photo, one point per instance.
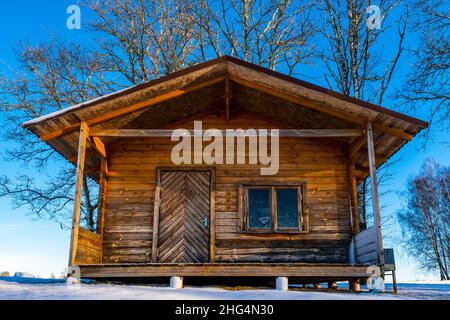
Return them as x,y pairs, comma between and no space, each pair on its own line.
155,133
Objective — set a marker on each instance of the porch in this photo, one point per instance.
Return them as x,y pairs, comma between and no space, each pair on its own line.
300,271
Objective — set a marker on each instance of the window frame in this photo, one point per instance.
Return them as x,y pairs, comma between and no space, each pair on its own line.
302,208
247,210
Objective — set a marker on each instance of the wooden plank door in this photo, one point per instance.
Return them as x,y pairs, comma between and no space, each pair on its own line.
184,216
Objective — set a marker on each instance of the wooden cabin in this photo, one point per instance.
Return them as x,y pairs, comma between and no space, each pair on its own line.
161,219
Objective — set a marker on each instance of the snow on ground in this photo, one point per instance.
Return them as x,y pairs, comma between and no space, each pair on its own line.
59,291
424,290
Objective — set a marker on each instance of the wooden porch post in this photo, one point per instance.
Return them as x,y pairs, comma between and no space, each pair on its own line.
102,196
353,196
374,188
84,132
102,200
156,205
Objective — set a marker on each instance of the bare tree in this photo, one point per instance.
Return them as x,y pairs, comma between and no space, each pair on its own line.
52,76
427,85
425,218
354,62
274,33
53,199
132,41
144,39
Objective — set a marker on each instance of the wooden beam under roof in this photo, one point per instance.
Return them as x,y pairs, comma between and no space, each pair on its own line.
393,132
135,107
99,146
356,145
156,205
157,133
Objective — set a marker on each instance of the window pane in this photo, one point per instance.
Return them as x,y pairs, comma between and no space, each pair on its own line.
287,208
259,208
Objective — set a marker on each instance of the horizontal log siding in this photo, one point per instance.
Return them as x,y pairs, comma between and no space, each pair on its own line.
320,162
89,247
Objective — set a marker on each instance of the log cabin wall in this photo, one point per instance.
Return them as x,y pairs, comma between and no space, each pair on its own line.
89,248
320,162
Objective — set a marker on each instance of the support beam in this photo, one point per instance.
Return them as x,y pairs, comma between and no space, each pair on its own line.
212,217
84,133
158,133
379,160
135,107
102,199
356,146
99,146
393,132
374,189
394,281
156,206
353,196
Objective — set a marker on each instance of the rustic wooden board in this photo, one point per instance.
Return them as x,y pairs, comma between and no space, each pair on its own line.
89,246
84,134
366,246
300,270
185,204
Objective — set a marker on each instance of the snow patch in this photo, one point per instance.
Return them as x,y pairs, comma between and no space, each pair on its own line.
60,291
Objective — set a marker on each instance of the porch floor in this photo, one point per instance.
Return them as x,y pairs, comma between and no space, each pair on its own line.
296,270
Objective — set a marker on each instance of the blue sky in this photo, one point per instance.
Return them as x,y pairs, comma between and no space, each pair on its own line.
41,247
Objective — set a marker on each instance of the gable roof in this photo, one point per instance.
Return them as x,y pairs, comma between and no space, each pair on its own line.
219,60
204,82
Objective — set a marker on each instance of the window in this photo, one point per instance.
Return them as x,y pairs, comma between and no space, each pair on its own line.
259,208
273,208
